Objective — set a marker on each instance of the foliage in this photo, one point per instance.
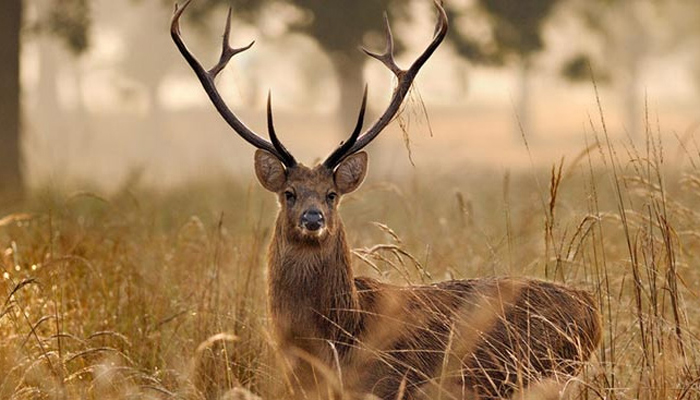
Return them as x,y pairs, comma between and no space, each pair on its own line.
341,26
515,30
70,21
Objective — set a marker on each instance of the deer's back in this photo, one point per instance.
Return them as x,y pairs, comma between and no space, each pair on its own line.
495,332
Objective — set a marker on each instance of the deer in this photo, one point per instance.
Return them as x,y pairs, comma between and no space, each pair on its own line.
481,338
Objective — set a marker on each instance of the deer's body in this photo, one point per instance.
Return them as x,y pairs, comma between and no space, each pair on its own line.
474,339
484,338
494,334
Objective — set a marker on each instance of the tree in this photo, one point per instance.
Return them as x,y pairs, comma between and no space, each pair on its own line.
147,61
628,33
339,28
515,38
10,26
66,19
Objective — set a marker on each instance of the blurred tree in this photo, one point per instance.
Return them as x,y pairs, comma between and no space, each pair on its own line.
339,28
147,61
515,30
512,35
627,33
10,25
69,20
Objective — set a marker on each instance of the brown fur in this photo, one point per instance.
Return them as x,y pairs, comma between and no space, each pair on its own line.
479,338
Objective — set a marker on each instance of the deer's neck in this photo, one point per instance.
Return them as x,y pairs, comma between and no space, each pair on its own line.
311,288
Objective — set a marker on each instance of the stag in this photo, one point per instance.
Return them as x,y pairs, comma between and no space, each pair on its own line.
470,339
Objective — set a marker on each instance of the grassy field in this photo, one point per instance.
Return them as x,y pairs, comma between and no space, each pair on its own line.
162,295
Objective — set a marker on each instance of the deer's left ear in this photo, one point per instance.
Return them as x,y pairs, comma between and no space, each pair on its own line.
351,172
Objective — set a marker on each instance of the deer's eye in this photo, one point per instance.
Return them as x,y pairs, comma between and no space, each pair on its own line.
332,197
290,196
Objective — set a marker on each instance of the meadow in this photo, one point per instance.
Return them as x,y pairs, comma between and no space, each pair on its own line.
161,294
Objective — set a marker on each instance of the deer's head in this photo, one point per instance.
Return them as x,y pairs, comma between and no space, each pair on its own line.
309,197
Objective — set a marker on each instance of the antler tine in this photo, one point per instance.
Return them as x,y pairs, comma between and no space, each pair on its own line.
405,80
387,58
339,153
206,78
226,50
287,157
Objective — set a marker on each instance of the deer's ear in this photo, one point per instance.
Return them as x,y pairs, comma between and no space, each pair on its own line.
270,171
351,172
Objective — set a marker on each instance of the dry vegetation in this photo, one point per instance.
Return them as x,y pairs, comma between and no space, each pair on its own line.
162,295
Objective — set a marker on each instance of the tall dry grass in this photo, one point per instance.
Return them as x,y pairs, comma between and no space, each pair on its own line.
162,295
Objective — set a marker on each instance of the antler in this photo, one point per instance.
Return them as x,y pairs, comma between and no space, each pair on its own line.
207,80
405,78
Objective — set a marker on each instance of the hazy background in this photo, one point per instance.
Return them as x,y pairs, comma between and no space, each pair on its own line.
120,104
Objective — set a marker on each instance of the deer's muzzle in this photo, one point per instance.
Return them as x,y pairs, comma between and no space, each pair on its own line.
312,220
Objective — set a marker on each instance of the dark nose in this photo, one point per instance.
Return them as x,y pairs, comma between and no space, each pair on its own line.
312,219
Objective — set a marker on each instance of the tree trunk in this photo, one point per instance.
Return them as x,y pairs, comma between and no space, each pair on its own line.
10,25
349,72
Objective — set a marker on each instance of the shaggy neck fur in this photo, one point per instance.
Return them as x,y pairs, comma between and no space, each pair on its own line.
311,291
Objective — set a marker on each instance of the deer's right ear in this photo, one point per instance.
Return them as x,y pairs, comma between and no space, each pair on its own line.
270,171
